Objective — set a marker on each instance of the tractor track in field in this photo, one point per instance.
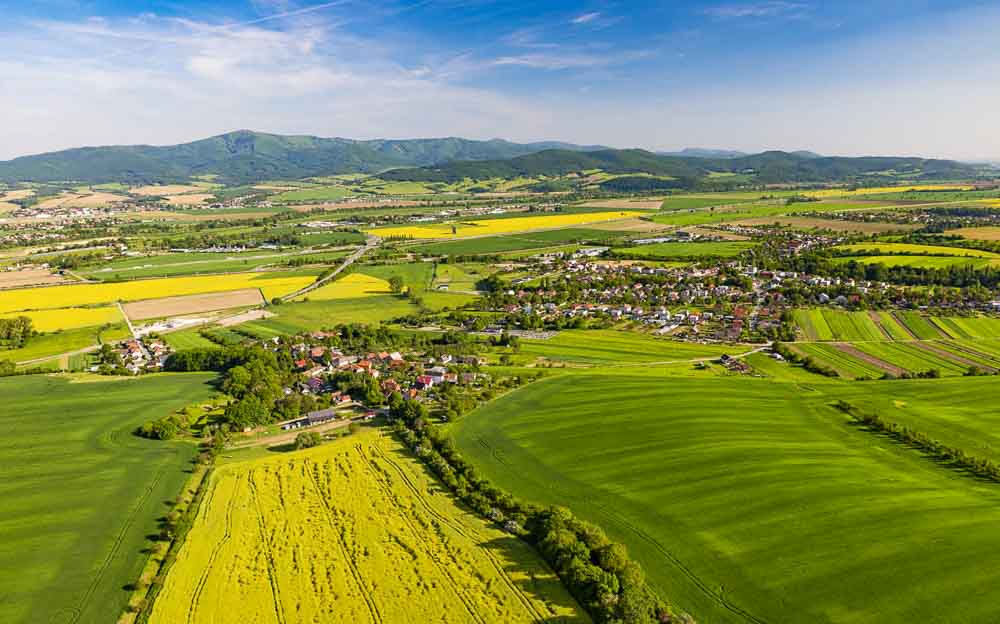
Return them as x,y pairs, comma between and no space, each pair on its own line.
906,328
972,352
456,526
116,546
952,357
646,537
378,476
216,550
376,615
272,576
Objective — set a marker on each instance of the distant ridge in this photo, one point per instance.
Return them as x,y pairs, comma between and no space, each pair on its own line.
766,168
245,156
698,152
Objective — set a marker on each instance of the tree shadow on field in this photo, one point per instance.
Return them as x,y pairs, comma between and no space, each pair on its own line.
521,564
535,580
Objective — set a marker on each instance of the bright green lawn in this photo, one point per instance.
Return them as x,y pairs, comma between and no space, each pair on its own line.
79,492
754,501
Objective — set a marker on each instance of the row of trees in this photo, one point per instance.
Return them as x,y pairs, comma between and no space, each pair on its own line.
15,332
978,466
807,362
598,573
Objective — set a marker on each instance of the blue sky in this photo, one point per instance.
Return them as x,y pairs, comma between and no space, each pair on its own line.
872,77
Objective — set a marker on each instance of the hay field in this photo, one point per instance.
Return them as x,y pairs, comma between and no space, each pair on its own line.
193,304
353,531
165,190
487,227
979,233
353,286
29,277
192,199
69,318
92,294
19,194
80,200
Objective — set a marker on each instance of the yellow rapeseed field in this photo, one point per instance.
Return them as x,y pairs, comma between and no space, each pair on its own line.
353,531
92,294
887,189
488,227
69,318
353,286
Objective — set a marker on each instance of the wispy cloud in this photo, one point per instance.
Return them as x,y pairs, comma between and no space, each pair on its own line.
777,8
586,18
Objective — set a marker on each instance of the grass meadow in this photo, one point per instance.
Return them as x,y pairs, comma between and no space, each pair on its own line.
752,500
619,347
79,493
353,531
532,240
666,251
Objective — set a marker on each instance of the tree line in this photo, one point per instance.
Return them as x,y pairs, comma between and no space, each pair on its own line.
978,466
597,572
15,332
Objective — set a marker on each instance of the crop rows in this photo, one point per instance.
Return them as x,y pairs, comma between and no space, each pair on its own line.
348,533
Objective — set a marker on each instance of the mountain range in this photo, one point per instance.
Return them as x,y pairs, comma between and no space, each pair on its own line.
244,156
772,167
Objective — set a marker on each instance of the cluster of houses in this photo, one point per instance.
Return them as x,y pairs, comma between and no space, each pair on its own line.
411,376
141,355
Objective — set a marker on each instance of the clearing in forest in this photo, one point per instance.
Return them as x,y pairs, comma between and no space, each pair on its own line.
353,531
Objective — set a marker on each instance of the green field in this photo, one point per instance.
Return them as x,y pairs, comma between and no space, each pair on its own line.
57,343
965,327
909,356
517,242
754,501
837,325
322,193
80,493
922,262
689,203
915,250
846,366
619,347
892,327
750,211
919,325
298,317
188,339
664,251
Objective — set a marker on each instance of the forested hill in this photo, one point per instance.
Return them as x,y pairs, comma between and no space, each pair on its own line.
766,168
245,156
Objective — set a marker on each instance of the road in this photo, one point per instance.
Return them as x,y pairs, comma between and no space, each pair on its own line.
372,243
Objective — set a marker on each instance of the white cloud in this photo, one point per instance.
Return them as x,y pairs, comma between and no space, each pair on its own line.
777,8
586,18
150,79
